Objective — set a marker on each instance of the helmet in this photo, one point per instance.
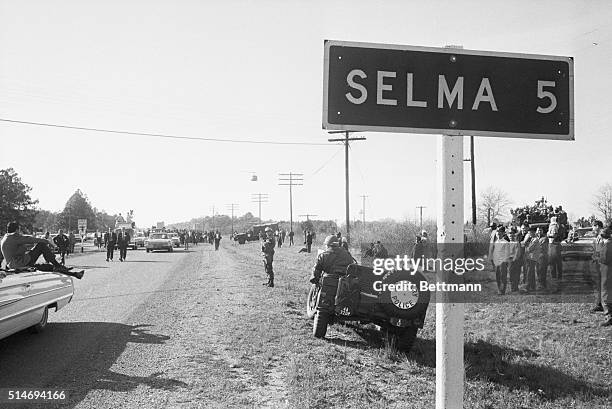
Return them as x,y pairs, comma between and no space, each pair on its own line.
331,241
267,229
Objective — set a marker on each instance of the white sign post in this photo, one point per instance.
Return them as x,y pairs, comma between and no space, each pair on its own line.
82,223
449,316
387,88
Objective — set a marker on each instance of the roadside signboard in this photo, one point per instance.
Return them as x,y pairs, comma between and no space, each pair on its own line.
82,225
394,88
160,225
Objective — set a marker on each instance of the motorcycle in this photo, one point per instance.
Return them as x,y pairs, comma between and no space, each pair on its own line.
393,301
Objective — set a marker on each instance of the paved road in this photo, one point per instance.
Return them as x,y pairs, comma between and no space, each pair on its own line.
110,346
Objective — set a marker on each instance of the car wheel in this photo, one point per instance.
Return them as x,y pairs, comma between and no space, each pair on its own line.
404,304
319,328
311,303
42,324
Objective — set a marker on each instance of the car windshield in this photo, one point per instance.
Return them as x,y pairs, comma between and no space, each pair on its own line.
585,234
159,236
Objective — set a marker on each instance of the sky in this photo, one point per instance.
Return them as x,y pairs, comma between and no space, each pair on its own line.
253,71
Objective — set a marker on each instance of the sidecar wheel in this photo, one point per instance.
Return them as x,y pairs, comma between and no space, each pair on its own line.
311,302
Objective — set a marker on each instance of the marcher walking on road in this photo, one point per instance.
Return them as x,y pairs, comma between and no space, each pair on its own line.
291,234
217,240
110,239
123,240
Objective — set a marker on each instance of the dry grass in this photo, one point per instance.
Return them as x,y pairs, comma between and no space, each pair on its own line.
516,355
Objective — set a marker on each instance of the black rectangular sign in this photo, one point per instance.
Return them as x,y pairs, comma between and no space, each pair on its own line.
393,88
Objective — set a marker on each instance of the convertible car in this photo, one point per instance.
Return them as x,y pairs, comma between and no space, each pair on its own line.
27,296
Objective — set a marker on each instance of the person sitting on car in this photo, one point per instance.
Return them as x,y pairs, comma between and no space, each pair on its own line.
14,249
334,260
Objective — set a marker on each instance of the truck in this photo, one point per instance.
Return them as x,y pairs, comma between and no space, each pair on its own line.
252,234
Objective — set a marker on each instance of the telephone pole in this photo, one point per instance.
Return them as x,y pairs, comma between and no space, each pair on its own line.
295,179
346,141
231,207
363,209
259,198
421,211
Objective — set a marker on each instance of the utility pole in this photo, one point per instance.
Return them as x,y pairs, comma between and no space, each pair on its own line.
259,198
421,217
213,217
231,207
363,209
473,171
295,179
346,141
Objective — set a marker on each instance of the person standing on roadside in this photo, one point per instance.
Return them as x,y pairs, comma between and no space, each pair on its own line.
533,253
308,241
267,252
543,261
501,256
110,239
291,234
598,278
63,243
605,265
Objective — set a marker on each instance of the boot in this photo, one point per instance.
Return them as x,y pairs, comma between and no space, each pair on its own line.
598,308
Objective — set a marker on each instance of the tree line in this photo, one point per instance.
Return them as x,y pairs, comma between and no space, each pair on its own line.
17,204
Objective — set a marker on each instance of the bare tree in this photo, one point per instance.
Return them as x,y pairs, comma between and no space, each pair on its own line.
494,204
603,202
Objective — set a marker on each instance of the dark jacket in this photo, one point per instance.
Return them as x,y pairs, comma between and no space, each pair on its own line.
110,238
123,239
61,241
334,260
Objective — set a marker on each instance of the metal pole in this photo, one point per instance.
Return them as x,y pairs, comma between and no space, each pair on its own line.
290,203
450,313
473,170
346,169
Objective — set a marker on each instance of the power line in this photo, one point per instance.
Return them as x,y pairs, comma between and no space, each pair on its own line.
167,136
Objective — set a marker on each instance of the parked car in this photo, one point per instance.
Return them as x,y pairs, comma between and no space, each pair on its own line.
26,297
580,246
159,241
176,240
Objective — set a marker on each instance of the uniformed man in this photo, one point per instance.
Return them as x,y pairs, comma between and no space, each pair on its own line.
334,260
267,251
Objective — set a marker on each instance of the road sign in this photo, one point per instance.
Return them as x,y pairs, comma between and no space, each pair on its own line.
82,224
393,88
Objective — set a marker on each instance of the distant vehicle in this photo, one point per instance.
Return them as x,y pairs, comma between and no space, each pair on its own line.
26,297
176,240
159,241
253,233
580,246
139,240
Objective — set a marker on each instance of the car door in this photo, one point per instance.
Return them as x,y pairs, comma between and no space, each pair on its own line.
15,304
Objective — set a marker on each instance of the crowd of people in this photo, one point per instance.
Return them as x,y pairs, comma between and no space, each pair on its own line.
526,256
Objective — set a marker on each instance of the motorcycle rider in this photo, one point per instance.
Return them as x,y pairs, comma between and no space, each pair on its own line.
335,259
267,251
